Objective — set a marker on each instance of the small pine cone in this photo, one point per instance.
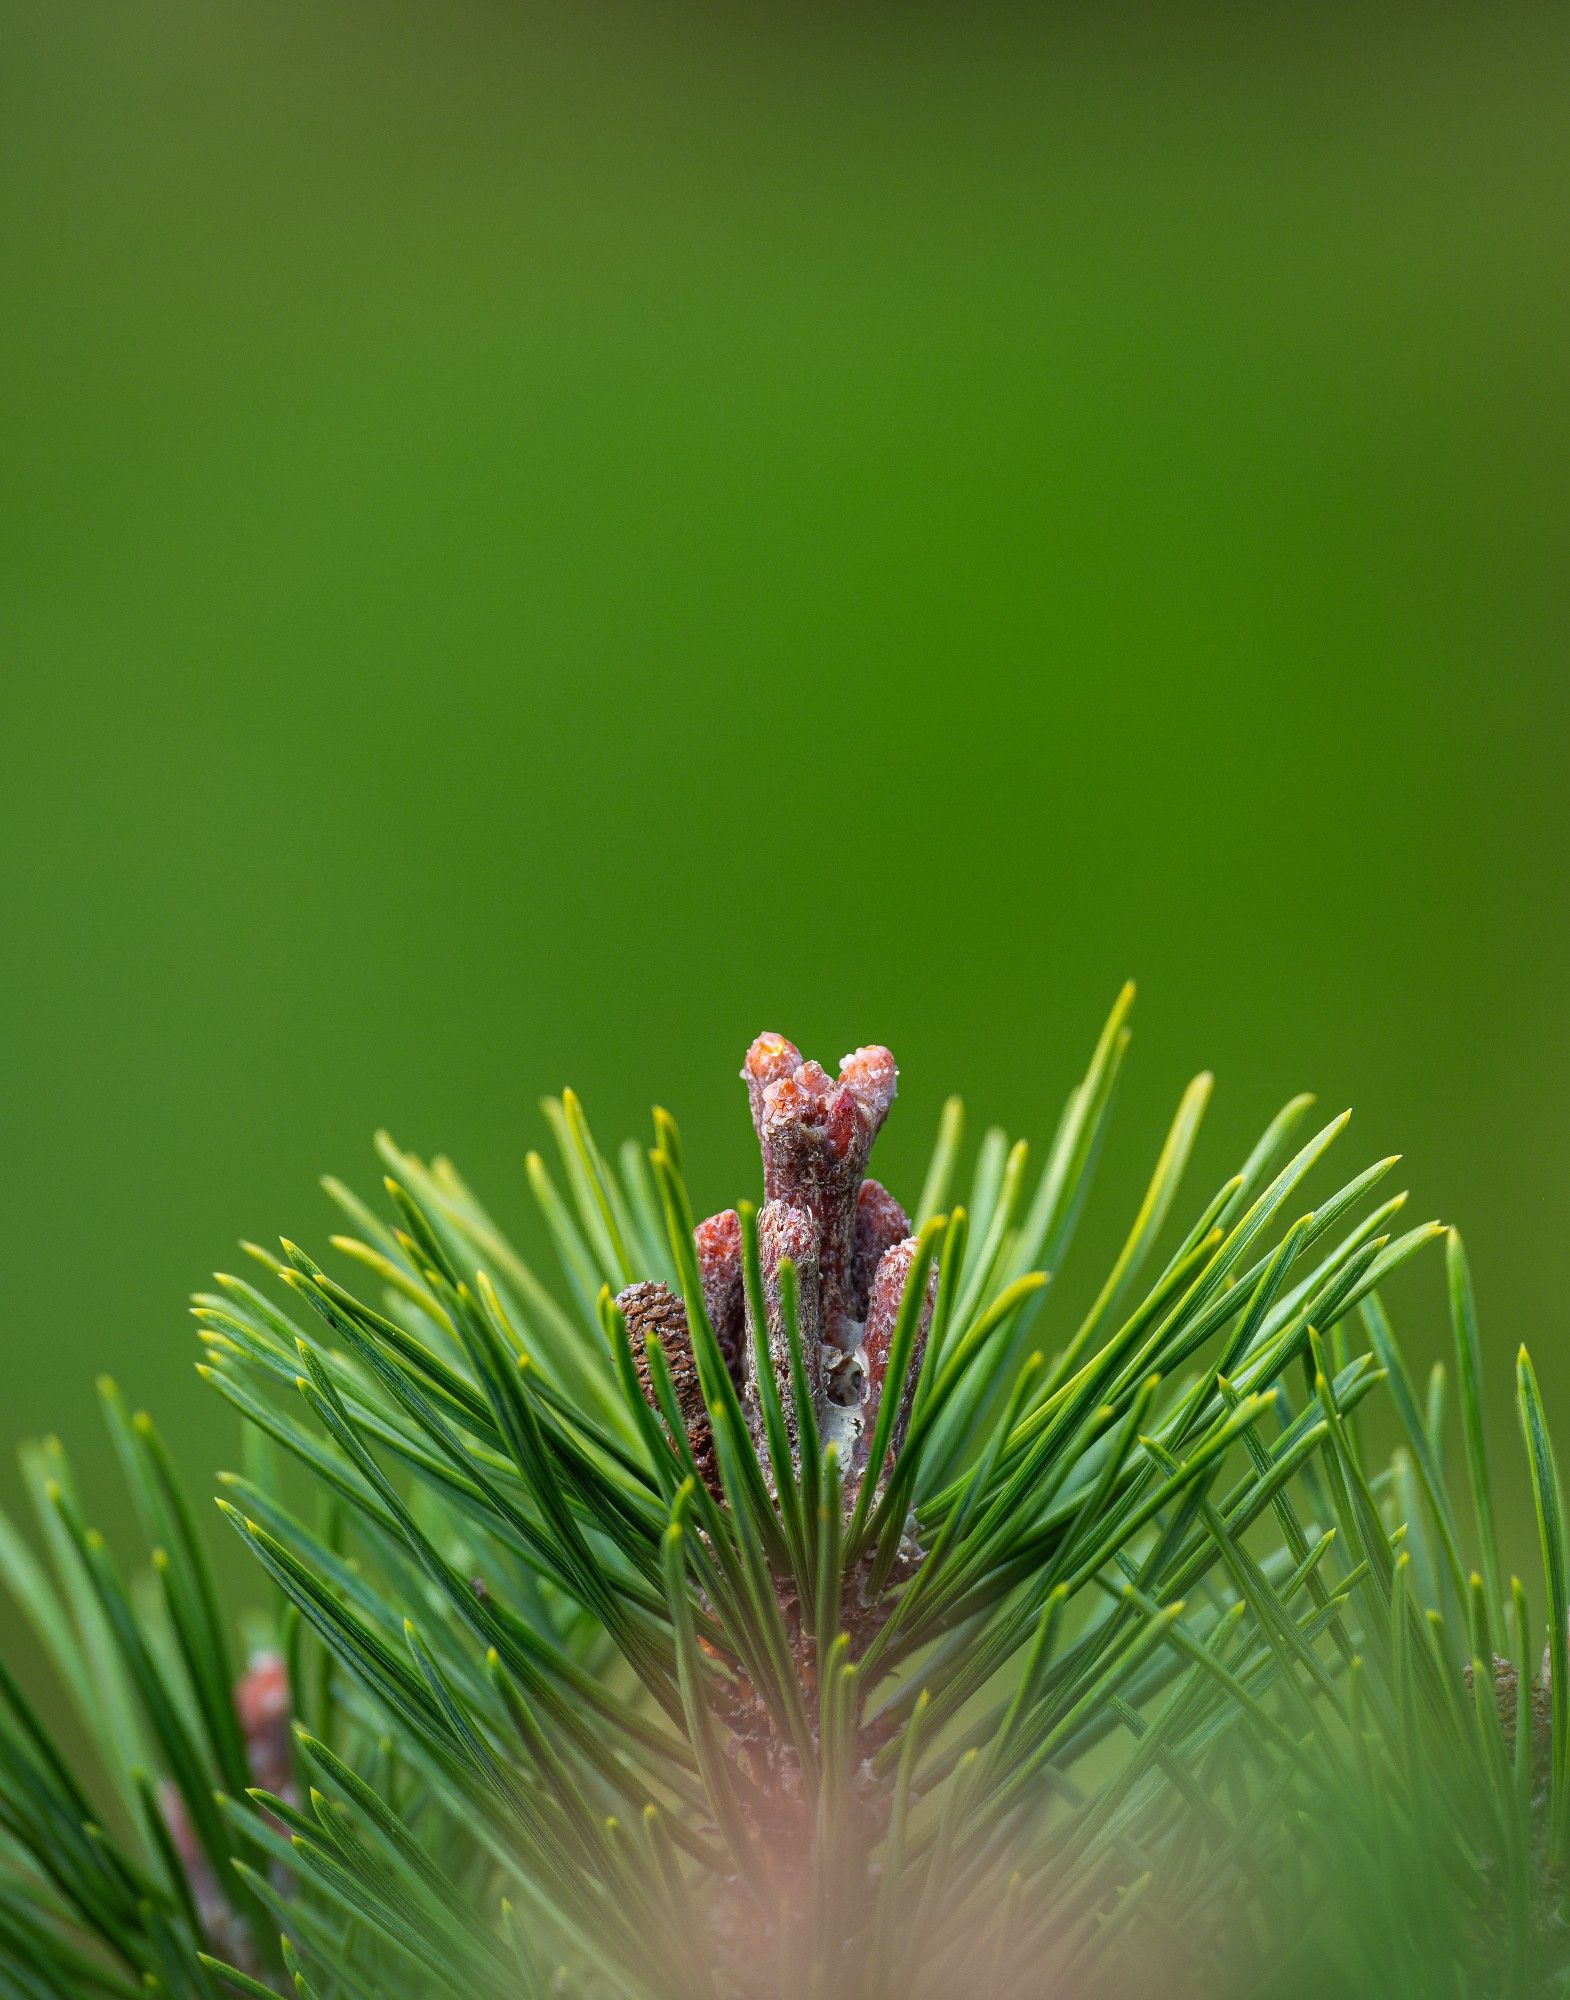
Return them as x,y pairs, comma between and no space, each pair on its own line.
652,1308
1507,1690
888,1292
1507,1699
719,1266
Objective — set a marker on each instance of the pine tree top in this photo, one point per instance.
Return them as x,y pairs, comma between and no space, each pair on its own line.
794,1604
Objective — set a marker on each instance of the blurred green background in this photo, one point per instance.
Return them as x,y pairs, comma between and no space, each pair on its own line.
539,543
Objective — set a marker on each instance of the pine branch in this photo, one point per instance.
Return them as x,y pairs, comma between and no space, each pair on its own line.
794,1606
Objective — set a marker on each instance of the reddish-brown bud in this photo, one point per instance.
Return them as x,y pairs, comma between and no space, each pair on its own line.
880,1223
848,1241
261,1701
769,1058
870,1074
263,1710
719,1266
787,1232
816,1134
883,1310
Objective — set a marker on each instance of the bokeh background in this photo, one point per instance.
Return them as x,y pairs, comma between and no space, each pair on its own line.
537,543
